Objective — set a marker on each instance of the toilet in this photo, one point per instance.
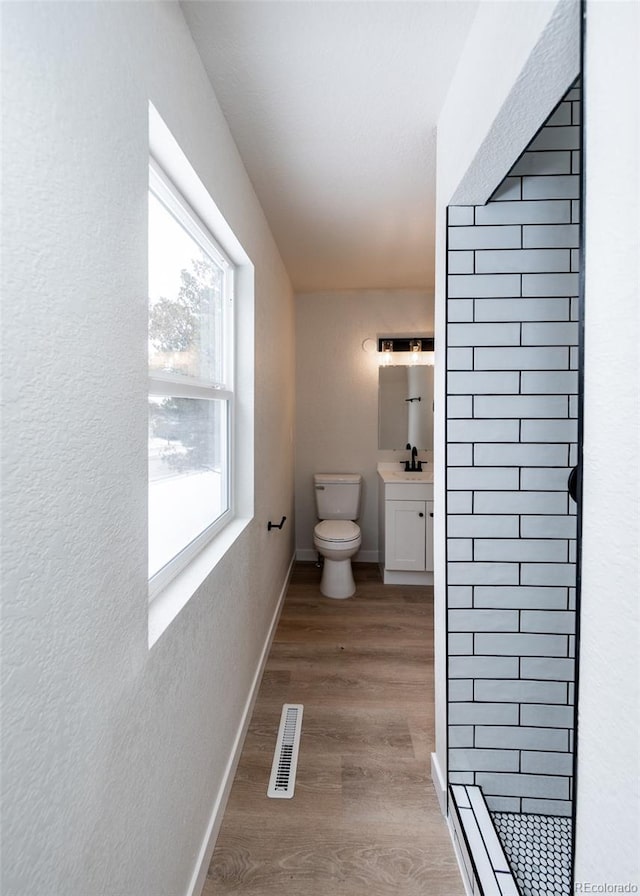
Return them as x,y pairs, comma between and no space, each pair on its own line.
337,536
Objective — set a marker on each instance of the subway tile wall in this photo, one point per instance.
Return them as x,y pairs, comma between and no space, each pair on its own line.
512,382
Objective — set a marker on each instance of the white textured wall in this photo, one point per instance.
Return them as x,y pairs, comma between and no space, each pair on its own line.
517,63
608,798
337,395
113,755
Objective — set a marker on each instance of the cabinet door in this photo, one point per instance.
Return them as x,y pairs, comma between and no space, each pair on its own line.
405,524
428,562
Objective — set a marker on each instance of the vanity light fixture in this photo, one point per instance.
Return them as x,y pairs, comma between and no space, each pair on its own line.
405,350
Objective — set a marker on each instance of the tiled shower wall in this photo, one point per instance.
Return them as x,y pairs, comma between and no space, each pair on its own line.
512,384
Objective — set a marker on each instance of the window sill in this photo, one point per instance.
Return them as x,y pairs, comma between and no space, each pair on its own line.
166,605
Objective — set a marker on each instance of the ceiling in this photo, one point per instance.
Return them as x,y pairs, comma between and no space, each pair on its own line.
333,105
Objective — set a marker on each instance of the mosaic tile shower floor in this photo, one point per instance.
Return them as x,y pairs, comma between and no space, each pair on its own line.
538,848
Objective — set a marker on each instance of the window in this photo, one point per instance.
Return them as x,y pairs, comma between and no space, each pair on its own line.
191,389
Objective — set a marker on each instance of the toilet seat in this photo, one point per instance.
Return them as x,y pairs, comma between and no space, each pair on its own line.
337,531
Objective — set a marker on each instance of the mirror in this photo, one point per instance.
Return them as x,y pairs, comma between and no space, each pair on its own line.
405,407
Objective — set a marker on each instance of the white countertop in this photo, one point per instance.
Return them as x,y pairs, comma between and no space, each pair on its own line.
395,472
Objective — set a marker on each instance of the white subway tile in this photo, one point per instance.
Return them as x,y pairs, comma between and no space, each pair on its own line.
476,525
543,763
548,526
548,382
556,138
524,358
459,549
520,691
462,286
460,262
460,736
549,574
483,430
483,760
521,737
476,478
520,644
482,573
575,261
485,237
520,550
552,668
504,804
549,431
460,691
545,479
574,357
522,309
505,503
555,621
459,455
460,644
547,716
483,714
509,261
459,596
554,186
560,808
521,597
459,358
558,162
520,455
510,188
483,620
521,406
483,382
573,405
554,333
459,502
549,285
459,406
484,666
461,778
459,310
552,211
460,215
561,116
523,785
483,334
550,236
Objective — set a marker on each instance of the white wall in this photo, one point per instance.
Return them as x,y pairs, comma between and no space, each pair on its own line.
608,798
114,754
506,82
337,395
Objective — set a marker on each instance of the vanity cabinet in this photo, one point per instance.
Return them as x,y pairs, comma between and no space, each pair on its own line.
406,532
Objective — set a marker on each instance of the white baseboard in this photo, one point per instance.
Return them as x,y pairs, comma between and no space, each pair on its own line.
215,821
439,783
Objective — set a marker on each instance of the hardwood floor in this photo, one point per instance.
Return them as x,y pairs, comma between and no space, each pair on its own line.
364,820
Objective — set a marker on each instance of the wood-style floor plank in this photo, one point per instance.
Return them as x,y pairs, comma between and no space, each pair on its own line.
364,820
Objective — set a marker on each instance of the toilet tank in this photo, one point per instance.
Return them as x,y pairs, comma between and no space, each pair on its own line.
337,495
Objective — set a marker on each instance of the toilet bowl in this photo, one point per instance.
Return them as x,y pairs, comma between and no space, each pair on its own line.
337,541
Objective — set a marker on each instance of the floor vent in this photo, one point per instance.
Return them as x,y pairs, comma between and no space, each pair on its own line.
283,771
